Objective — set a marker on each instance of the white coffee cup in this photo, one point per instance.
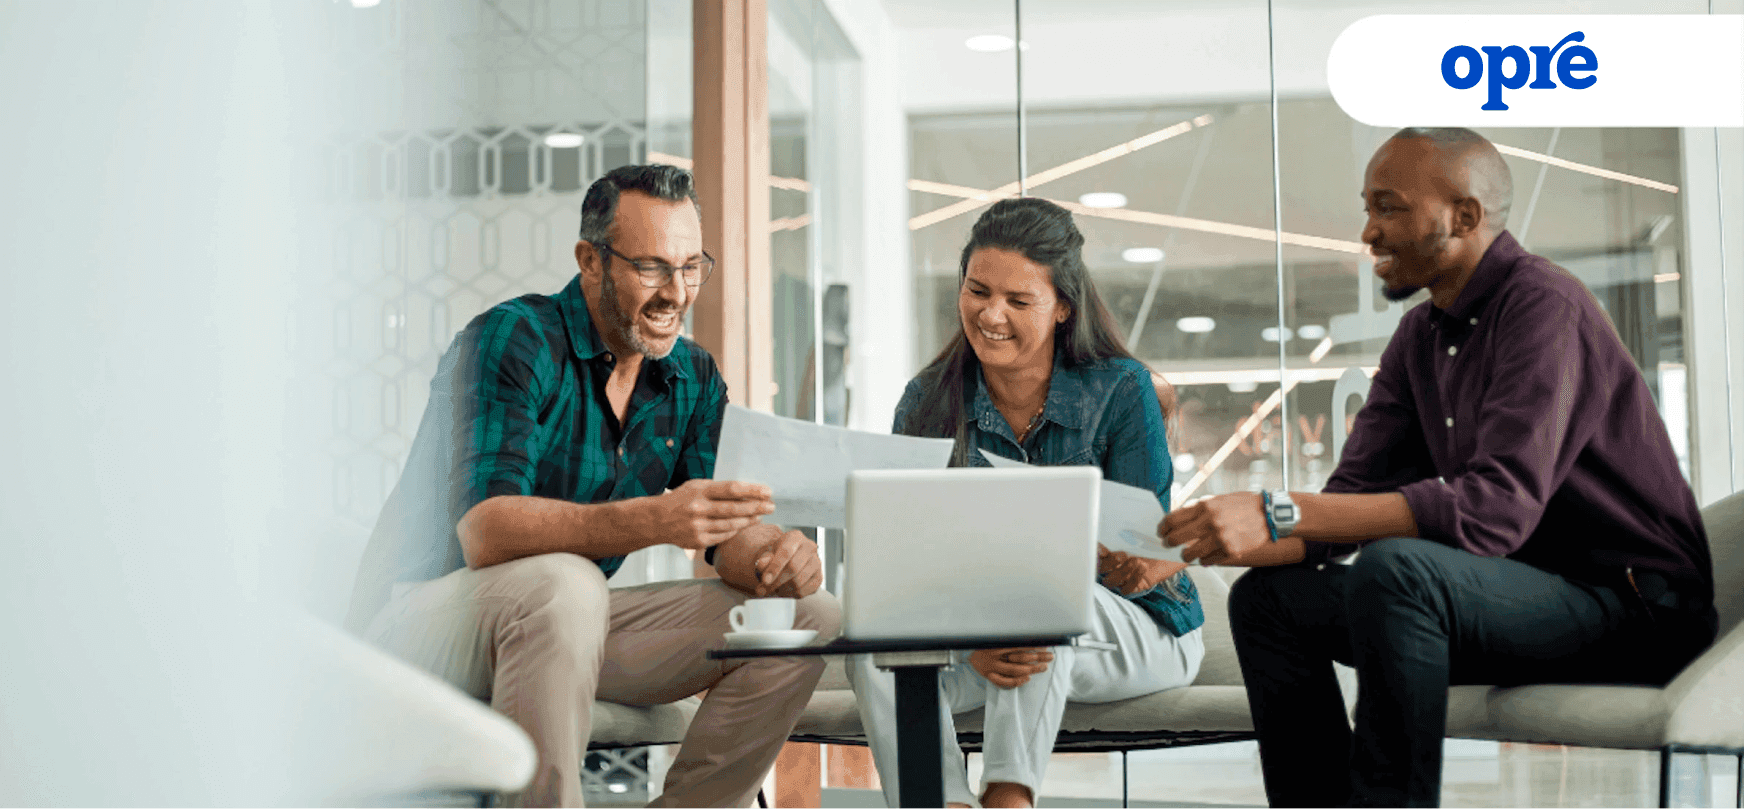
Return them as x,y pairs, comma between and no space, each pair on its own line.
762,615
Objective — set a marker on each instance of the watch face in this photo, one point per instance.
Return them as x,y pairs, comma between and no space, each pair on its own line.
1286,512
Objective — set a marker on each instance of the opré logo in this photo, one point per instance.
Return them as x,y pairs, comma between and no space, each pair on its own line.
1573,60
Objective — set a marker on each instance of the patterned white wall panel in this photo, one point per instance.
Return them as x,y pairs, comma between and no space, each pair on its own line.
445,200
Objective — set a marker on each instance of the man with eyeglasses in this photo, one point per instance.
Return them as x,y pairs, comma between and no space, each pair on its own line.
562,433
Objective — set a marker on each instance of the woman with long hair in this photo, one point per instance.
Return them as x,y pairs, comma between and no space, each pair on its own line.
1038,373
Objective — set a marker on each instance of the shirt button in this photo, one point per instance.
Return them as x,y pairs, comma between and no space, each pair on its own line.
669,442
1452,350
621,449
1450,421
1474,321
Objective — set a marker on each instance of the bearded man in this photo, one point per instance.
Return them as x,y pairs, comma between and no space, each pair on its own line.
1515,490
562,433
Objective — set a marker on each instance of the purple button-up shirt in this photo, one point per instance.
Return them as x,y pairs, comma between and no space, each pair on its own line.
1516,424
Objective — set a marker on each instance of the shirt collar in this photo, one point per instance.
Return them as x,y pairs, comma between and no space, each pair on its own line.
1495,265
584,339
1064,404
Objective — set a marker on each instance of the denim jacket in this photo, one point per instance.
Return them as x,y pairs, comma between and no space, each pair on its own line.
1103,414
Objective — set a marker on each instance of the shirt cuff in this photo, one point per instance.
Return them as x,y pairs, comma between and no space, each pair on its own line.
1431,503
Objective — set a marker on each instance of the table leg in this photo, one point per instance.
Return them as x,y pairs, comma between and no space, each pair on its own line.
919,748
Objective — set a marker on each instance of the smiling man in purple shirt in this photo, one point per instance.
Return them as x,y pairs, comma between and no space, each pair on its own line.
1521,510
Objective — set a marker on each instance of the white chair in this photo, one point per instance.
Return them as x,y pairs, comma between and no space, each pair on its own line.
368,729
1700,711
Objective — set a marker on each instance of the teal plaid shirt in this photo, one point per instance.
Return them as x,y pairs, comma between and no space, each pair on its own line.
518,407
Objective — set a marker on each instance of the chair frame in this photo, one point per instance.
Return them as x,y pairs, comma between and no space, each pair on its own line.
1086,741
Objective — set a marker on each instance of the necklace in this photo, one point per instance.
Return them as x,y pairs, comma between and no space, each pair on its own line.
1034,421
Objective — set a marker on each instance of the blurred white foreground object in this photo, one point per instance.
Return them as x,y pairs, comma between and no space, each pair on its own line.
373,729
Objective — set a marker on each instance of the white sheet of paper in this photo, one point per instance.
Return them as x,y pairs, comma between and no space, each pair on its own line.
1127,521
807,464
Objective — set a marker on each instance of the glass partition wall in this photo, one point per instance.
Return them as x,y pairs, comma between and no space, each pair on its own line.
1196,143
1155,126
1216,182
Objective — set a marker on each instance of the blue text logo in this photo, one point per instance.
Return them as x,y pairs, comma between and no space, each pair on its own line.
1574,67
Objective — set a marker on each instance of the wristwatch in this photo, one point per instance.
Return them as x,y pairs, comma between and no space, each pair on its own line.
1281,513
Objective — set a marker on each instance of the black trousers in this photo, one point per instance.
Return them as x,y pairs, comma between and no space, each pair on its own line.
1414,617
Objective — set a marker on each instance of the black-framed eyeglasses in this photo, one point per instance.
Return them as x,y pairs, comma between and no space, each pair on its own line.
656,274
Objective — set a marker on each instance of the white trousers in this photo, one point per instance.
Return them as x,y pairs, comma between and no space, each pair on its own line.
1020,723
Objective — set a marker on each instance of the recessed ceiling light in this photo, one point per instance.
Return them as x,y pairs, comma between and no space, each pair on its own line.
365,3
1196,325
1142,255
988,43
1103,199
1312,331
563,140
1270,334
1243,386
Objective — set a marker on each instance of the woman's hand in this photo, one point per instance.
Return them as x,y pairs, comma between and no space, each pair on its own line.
1010,668
1132,575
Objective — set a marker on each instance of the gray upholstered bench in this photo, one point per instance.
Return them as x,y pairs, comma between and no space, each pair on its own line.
1702,711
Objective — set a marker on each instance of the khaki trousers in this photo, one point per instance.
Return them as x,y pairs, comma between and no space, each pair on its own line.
542,637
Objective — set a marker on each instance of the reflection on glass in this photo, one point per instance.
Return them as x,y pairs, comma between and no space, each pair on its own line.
962,142
791,67
1167,167
811,218
1603,203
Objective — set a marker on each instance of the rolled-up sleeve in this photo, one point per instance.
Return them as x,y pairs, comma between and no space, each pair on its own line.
1527,434
498,421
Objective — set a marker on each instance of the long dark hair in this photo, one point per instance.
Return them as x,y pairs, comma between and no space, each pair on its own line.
1045,234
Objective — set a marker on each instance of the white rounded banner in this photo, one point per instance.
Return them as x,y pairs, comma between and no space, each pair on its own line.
1489,70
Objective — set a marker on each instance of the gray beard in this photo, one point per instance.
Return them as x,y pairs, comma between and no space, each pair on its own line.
621,325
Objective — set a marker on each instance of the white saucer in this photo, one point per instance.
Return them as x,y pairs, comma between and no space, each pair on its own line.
770,639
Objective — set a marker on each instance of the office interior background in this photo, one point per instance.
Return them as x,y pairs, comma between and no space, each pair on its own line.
241,236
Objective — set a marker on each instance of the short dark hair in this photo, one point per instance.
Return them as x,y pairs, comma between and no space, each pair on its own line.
600,207
1441,135
1488,178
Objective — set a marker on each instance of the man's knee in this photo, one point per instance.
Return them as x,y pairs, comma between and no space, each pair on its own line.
1393,568
1254,594
559,595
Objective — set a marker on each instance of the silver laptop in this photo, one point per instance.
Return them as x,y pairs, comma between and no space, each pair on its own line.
970,553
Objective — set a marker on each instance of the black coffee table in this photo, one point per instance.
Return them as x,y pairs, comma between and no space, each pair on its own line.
916,663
